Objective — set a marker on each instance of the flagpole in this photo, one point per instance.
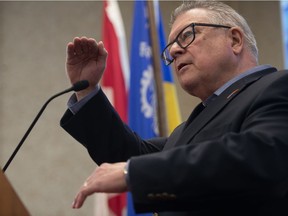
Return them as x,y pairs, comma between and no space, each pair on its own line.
161,111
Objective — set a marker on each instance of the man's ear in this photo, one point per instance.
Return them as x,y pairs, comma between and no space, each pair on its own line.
237,39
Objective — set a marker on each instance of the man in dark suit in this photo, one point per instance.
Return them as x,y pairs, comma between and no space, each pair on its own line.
229,158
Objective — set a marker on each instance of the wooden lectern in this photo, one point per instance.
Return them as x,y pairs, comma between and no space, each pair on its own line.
10,204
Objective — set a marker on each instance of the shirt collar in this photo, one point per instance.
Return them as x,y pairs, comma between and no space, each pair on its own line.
233,80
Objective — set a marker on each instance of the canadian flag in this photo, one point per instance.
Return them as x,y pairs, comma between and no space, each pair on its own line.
115,84
116,76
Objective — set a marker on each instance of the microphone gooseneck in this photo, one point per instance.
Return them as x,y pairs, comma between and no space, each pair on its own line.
78,86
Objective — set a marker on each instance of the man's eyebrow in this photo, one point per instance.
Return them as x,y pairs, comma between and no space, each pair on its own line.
176,34
169,39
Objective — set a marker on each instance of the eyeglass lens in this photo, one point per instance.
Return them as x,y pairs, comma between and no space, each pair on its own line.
183,39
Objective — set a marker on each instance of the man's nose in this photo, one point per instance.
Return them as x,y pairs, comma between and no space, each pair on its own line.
176,50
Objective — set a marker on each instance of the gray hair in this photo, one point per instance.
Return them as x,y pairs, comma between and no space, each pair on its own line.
220,14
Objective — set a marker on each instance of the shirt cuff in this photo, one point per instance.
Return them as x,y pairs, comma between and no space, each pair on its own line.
74,106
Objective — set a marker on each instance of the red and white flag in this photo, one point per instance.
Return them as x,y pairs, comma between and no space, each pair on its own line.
116,76
115,84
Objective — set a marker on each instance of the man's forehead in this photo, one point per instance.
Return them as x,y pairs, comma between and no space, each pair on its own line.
196,15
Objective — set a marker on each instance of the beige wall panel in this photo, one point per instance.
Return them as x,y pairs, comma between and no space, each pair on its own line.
51,166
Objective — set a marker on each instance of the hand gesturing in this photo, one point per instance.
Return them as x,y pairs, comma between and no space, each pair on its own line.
86,60
107,178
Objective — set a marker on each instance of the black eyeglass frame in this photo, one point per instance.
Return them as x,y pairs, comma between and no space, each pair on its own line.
169,61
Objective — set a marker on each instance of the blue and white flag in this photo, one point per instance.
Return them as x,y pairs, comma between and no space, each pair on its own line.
142,98
142,95
284,12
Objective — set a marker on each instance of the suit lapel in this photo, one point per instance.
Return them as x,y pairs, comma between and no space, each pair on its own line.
217,105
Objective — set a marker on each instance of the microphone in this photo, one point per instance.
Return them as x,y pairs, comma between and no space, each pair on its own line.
78,86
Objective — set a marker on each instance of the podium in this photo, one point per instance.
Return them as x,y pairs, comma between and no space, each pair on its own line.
10,204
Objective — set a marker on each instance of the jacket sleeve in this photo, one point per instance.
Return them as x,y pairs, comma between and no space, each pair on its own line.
98,127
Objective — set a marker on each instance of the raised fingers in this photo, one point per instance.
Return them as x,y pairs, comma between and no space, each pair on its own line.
82,45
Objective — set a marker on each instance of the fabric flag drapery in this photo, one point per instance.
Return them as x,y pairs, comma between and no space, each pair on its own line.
284,15
170,95
142,103
142,99
115,84
116,77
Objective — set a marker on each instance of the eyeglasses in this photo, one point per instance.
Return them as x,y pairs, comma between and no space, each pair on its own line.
184,39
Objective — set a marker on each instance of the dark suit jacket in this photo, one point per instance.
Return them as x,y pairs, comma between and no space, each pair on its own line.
232,159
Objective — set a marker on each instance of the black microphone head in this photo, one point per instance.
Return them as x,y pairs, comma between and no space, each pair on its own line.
78,86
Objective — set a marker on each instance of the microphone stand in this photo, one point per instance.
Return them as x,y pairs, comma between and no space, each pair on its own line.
76,87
